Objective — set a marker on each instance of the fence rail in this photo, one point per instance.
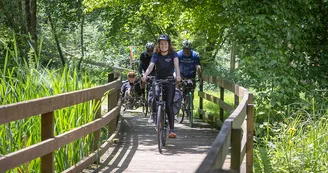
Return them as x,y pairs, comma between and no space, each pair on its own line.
46,107
236,131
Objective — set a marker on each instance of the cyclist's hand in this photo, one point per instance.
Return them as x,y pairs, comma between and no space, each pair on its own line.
178,78
144,78
199,69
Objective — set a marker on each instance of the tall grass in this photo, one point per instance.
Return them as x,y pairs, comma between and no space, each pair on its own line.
212,108
299,143
23,81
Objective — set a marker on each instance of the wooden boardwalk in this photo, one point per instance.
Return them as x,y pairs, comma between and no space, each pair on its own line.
137,150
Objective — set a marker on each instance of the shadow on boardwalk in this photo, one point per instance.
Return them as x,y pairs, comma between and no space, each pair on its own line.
137,150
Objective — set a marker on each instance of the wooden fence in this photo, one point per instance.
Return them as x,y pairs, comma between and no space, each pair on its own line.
46,107
236,131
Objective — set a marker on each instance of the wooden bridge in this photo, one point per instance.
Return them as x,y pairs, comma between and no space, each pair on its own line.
131,145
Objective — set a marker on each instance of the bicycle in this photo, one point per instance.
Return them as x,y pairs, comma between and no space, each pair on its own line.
135,101
146,94
159,113
187,106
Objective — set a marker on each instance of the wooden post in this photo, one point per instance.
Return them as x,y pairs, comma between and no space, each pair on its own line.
235,149
110,103
250,134
233,57
201,83
47,132
236,100
96,134
222,98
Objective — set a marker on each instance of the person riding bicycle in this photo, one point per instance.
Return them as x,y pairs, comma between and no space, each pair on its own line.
126,87
165,58
189,62
145,57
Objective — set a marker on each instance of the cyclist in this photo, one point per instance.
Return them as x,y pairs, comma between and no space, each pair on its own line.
165,58
144,63
189,62
125,88
145,59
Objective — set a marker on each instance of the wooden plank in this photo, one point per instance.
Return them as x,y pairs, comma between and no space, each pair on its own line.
216,100
221,98
243,141
235,149
236,89
240,91
91,158
21,110
96,134
219,150
47,132
201,88
239,114
250,134
17,158
228,85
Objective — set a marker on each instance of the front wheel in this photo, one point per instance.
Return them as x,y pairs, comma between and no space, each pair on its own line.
191,108
180,116
160,128
144,108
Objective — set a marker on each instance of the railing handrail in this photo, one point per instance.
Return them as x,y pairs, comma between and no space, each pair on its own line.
46,107
231,129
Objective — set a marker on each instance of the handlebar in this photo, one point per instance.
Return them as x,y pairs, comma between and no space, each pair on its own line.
152,79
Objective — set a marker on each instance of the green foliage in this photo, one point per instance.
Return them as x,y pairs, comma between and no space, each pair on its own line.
24,81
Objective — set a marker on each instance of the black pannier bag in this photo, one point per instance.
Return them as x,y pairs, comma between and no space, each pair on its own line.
176,100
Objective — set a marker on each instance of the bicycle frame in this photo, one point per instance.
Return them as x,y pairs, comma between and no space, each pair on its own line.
160,118
187,94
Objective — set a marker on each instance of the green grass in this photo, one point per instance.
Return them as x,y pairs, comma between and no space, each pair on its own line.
212,108
295,142
295,145
25,81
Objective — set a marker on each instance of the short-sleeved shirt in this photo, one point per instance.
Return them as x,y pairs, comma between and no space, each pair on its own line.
188,64
144,61
164,64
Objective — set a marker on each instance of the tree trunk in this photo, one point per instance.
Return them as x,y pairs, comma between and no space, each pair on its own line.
233,57
21,17
28,15
57,41
82,44
33,25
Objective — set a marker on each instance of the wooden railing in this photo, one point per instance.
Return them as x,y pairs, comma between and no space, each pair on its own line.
236,131
46,107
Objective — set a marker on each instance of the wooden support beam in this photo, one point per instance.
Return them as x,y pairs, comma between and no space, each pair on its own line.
47,132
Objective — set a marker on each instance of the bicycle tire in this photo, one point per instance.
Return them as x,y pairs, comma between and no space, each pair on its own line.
190,110
180,116
164,131
159,124
144,108
145,105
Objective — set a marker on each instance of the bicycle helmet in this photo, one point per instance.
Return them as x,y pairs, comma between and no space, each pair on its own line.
150,45
186,44
164,37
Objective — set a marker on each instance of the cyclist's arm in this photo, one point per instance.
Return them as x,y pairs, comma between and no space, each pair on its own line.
197,63
177,68
149,69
